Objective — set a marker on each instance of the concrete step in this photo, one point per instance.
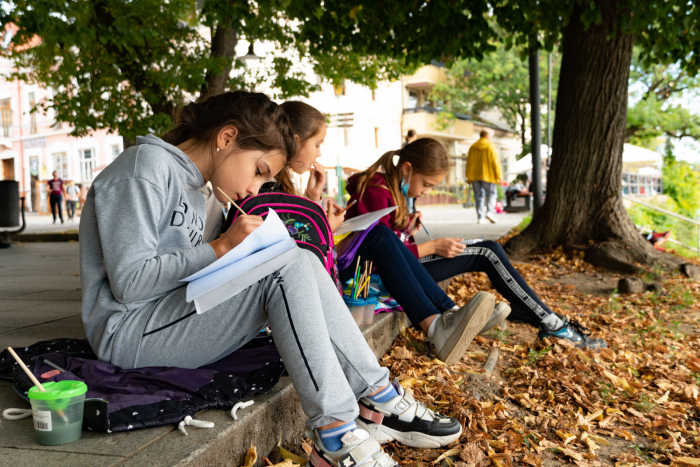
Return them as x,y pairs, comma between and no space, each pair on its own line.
274,417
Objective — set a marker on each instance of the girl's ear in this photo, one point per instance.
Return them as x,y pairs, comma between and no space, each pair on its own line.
297,140
227,137
406,169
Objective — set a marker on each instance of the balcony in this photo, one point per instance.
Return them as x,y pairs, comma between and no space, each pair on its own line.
424,121
426,77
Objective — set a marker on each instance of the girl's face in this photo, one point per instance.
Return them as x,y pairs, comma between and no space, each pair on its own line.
309,151
242,173
420,184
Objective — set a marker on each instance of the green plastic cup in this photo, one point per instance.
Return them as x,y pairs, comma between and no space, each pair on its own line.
58,411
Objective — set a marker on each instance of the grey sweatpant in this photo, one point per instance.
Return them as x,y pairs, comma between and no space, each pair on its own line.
322,348
485,191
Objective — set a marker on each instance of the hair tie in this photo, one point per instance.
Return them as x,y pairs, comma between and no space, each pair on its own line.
397,152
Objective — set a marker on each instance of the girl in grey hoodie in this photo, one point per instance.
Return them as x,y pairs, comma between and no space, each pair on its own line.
141,231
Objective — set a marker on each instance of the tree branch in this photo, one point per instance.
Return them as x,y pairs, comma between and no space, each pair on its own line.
150,91
223,45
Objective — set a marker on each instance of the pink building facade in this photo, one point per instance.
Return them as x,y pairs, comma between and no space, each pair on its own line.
33,145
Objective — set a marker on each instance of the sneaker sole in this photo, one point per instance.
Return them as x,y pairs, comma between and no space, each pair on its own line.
491,219
500,313
414,439
478,312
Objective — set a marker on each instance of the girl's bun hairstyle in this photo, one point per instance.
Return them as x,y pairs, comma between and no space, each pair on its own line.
426,156
305,121
260,122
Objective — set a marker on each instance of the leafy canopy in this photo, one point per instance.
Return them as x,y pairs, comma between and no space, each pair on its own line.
124,66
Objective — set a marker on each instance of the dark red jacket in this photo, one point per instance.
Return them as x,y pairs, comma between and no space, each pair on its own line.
377,196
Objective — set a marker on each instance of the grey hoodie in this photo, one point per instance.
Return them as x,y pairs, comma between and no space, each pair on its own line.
140,233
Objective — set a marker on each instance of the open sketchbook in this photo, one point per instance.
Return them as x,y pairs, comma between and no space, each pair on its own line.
362,222
265,250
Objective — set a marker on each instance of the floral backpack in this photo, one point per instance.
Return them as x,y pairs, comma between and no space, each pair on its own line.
305,220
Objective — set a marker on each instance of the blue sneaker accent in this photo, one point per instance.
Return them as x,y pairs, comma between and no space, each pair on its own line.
385,394
331,438
574,332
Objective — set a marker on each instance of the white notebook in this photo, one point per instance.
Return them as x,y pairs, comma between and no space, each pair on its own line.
265,250
363,221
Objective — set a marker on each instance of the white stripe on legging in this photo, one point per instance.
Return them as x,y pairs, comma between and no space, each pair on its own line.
509,280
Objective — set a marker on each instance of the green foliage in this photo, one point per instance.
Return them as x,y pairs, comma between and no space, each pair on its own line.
124,66
657,95
525,222
500,81
534,356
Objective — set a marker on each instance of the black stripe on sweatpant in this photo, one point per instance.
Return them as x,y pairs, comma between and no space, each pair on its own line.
169,324
291,323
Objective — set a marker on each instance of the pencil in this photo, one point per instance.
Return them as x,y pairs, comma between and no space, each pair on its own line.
354,282
232,201
346,207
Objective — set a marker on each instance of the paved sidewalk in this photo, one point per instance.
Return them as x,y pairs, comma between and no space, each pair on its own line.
43,223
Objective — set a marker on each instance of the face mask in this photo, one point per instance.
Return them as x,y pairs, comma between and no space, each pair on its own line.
404,189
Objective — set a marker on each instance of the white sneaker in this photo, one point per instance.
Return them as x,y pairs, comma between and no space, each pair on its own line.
481,221
500,313
490,217
359,449
408,421
455,330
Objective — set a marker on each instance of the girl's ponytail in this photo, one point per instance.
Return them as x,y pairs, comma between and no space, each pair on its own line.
426,156
393,176
285,183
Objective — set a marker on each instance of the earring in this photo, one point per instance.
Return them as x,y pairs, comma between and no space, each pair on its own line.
218,149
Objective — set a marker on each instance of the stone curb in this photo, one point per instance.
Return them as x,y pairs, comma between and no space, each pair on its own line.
45,237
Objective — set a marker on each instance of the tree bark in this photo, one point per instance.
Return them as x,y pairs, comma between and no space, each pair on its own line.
223,45
583,208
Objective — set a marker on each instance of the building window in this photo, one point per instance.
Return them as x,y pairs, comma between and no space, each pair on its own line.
60,165
346,137
32,114
376,137
412,99
6,113
87,164
115,151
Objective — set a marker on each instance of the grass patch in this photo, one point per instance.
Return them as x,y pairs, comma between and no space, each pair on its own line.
525,222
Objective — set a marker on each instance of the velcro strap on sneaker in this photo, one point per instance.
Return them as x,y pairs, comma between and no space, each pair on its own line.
409,414
371,415
317,460
362,451
384,460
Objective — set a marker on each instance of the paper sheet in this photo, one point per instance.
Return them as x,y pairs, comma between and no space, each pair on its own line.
362,222
272,231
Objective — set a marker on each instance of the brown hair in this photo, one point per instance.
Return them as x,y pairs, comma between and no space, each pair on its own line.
261,124
427,157
305,121
484,133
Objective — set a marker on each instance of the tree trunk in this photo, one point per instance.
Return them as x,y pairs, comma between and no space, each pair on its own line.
583,208
223,45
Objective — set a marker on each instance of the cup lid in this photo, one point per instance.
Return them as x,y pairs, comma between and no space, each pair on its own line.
58,390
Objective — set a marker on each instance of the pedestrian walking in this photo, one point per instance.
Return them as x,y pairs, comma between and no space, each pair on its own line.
56,196
484,173
72,198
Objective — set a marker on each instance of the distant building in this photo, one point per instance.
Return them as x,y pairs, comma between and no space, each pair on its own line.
33,144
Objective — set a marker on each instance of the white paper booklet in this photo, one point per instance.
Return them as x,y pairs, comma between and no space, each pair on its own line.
362,222
264,251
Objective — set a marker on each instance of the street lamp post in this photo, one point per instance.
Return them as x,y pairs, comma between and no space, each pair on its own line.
535,126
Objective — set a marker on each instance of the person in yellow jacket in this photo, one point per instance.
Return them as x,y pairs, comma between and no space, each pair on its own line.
484,173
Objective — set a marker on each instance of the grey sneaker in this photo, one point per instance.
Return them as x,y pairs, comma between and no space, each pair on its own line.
359,449
408,421
455,330
500,313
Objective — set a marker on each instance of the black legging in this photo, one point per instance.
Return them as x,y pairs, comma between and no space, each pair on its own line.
413,284
489,257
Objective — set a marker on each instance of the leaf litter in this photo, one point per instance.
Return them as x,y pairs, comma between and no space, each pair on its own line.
549,403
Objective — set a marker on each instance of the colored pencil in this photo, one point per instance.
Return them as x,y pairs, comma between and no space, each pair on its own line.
346,207
232,201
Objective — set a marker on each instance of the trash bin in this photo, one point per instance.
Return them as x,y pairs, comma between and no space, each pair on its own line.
11,206
9,203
